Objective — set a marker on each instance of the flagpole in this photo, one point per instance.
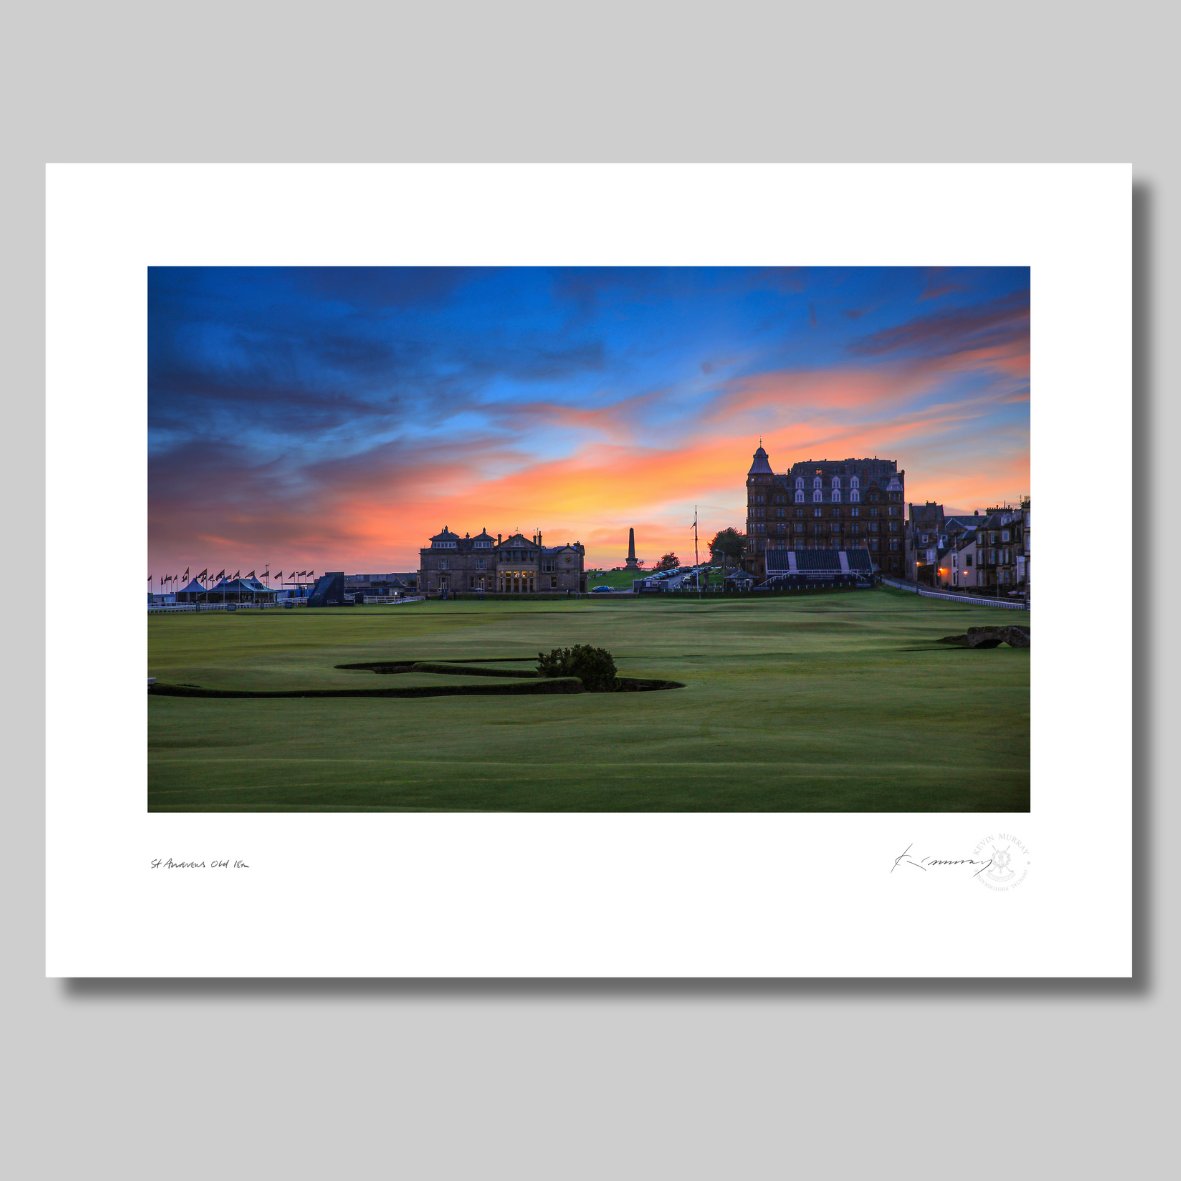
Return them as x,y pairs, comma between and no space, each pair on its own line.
696,554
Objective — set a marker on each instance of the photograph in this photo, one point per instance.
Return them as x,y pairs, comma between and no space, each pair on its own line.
588,539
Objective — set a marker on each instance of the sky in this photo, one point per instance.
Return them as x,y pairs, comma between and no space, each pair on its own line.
334,419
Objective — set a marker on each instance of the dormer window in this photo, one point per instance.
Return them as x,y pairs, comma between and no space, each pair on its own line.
799,483
836,481
854,482
816,482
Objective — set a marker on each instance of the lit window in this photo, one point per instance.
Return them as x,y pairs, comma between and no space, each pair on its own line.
799,495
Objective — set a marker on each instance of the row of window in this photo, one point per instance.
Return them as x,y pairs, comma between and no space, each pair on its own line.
548,566
833,527
818,495
855,511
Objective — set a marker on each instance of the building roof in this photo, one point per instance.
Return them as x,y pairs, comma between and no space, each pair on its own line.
241,584
761,465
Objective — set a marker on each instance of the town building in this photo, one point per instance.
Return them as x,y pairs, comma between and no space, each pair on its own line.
1002,554
986,552
844,504
513,565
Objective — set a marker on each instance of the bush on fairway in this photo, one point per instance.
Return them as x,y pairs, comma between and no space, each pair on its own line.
594,667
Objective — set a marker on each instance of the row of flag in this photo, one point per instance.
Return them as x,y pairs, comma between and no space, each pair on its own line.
205,576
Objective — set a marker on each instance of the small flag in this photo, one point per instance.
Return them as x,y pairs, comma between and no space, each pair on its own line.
279,575
237,573
250,575
185,576
204,574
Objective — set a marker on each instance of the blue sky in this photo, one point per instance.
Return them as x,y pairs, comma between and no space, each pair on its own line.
335,418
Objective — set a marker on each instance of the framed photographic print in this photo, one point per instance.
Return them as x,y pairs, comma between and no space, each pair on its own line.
587,570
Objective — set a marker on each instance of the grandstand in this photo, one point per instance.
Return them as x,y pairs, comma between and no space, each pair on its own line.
818,565
328,591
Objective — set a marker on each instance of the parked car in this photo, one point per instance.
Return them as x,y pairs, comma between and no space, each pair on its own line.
599,590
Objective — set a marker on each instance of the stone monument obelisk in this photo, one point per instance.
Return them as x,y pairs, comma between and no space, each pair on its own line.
631,563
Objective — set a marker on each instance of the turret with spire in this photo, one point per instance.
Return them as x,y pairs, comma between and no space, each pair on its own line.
758,484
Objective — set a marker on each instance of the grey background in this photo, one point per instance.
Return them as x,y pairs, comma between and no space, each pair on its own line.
321,1078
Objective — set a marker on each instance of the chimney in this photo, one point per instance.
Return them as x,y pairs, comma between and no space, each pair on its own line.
499,539
539,537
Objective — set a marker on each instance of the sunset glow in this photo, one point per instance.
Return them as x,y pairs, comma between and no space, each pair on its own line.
333,419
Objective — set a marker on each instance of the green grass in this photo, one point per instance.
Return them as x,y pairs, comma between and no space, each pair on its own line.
841,702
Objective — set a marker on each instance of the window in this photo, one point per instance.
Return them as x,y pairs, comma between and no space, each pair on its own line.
854,512
855,496
799,498
893,510
816,482
442,563
799,483
836,496
481,563
817,496
855,482
873,512
553,582
817,512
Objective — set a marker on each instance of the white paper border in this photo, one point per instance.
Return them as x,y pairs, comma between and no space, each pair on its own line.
749,894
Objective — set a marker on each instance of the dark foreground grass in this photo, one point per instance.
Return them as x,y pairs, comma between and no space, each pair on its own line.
842,702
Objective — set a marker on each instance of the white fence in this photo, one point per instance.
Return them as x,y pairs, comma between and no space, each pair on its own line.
952,597
246,605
